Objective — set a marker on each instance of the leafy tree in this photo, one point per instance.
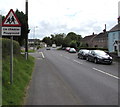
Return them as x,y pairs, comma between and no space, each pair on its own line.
73,44
47,40
72,36
57,39
24,27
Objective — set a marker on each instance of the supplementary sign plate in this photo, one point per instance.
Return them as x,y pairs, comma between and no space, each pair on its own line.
11,31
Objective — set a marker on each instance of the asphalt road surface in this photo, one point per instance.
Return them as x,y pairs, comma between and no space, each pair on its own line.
60,78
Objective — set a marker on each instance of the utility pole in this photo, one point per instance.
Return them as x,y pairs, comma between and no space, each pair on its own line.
26,39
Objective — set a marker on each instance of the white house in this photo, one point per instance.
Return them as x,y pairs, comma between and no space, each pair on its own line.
114,38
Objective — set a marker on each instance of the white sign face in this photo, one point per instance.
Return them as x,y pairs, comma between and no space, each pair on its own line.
11,31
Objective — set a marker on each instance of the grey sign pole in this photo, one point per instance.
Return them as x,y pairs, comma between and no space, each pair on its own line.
11,62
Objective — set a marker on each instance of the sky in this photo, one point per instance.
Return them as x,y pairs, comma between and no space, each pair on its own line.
82,17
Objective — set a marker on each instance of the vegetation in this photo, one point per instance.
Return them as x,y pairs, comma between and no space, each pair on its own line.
6,47
22,69
71,39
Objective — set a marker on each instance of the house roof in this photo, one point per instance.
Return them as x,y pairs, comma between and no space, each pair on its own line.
89,38
115,28
102,35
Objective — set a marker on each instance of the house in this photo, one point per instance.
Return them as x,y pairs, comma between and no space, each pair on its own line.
101,40
97,40
88,40
114,38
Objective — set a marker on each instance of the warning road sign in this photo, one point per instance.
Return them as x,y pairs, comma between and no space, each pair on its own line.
11,19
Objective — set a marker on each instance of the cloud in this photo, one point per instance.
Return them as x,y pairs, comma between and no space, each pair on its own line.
63,16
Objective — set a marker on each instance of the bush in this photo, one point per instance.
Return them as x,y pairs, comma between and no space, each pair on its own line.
6,47
95,48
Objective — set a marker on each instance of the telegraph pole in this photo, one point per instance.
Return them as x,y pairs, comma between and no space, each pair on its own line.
26,39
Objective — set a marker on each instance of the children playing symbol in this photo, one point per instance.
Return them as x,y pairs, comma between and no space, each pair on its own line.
11,20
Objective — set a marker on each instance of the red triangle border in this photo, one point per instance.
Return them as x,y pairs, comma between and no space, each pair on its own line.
19,24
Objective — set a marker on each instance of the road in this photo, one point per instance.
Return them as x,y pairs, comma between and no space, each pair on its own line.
60,78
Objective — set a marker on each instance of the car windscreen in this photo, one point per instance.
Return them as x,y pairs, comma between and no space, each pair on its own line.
101,53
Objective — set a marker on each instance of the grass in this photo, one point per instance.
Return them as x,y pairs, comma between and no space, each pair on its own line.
29,51
22,70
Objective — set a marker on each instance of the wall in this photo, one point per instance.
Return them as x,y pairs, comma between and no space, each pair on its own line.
112,36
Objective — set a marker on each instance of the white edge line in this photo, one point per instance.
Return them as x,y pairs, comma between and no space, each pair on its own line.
106,73
42,54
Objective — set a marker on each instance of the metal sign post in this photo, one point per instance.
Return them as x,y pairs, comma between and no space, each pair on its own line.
11,27
11,62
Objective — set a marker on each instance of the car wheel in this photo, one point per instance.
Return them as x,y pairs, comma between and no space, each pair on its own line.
95,61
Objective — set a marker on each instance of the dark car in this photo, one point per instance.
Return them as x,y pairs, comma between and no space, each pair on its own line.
83,53
99,56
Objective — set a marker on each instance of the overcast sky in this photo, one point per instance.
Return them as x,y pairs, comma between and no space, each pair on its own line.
63,16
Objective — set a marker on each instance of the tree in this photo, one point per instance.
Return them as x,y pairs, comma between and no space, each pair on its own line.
71,36
57,39
47,40
73,44
24,27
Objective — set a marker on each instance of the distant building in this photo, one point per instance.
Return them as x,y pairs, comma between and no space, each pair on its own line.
101,40
114,38
97,40
32,42
88,40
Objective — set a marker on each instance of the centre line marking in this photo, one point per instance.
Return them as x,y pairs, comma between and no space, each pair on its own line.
106,73
77,62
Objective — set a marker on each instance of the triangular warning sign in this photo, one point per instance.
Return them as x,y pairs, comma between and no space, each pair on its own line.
11,19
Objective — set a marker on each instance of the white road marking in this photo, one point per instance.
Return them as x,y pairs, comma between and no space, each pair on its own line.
106,73
77,62
42,54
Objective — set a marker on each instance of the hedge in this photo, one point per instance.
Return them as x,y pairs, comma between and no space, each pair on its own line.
93,48
6,47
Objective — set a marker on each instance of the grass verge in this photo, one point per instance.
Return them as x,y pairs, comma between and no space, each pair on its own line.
22,70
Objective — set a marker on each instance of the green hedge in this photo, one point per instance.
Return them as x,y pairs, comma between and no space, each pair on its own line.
6,47
90,48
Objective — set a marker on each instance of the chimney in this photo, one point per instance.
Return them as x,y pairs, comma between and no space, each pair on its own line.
104,29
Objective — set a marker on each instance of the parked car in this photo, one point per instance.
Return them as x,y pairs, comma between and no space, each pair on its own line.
99,56
48,48
67,48
83,53
72,50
